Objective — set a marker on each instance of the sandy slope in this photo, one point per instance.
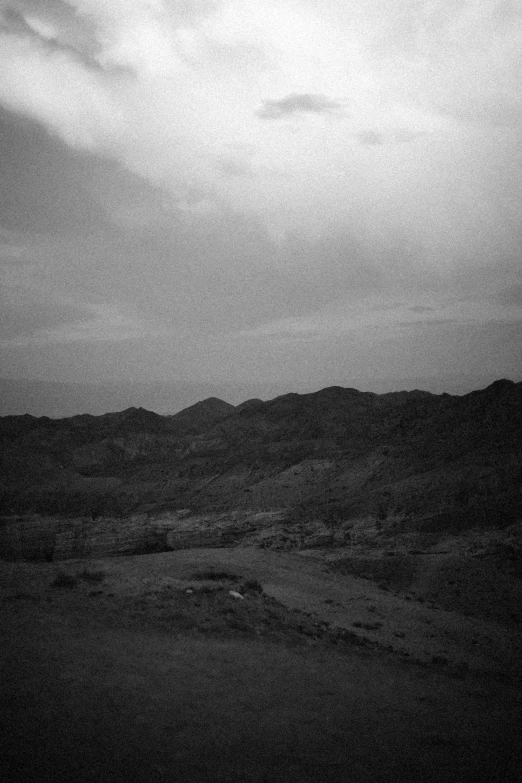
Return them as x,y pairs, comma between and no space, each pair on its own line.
125,675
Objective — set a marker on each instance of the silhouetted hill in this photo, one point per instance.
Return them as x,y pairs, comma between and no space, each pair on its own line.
249,404
201,415
404,458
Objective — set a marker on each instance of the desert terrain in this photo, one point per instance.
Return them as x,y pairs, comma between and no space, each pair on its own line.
324,587
248,664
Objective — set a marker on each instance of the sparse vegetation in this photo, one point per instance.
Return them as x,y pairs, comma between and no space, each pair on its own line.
367,626
252,586
92,577
64,580
454,461
215,576
395,572
223,674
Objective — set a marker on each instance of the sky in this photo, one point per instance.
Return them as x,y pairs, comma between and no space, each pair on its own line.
299,192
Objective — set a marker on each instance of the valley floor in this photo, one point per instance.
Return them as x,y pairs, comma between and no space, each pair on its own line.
249,665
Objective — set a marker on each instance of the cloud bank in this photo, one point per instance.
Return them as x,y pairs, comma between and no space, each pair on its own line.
156,196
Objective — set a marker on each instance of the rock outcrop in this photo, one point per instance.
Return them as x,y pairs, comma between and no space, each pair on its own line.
40,538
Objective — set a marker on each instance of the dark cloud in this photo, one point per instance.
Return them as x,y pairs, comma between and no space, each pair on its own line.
297,103
210,275
103,236
215,277
23,314
82,51
421,309
47,188
42,181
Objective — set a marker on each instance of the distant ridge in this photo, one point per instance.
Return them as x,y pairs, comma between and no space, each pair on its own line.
61,399
334,454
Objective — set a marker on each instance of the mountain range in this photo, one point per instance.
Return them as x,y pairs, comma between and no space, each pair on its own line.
59,399
407,459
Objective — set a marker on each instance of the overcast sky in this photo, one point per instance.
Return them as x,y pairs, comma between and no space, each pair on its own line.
302,191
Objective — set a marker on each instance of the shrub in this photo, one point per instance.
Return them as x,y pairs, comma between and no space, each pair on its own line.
367,626
63,579
215,576
93,577
253,586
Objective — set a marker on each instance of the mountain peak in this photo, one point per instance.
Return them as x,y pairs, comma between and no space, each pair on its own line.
501,384
201,415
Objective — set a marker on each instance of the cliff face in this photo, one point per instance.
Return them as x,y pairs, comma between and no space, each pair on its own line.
43,538
410,459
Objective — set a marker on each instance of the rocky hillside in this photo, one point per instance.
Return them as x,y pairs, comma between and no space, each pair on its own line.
405,459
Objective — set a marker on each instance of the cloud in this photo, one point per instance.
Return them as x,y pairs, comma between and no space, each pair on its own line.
134,34
164,89
370,138
234,167
25,315
44,186
59,91
297,103
427,323
468,61
41,28
494,110
143,181
512,295
27,22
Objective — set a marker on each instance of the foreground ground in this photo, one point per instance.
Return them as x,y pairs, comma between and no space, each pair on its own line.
251,665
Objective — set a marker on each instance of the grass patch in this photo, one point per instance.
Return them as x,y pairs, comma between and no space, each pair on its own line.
92,577
244,585
20,596
367,626
252,586
393,573
64,580
215,576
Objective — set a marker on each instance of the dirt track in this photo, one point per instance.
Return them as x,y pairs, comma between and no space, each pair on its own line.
124,675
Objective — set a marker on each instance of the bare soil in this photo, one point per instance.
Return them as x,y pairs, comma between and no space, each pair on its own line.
253,665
